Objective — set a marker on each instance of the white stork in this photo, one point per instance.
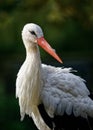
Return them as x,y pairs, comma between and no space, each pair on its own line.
60,91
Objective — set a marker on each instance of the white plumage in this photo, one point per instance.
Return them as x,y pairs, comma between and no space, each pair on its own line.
57,88
64,92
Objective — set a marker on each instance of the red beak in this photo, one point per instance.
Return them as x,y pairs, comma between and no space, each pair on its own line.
44,44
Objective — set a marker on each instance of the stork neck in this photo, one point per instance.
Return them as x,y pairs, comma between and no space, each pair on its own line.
32,50
33,62
33,57
33,74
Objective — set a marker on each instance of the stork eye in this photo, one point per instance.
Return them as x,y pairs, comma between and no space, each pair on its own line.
33,33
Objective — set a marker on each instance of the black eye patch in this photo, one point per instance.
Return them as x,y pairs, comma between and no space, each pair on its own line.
33,33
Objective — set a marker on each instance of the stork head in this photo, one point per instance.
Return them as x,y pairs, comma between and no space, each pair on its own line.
32,35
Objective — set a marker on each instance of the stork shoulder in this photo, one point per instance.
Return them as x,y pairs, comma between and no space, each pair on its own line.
63,91
64,80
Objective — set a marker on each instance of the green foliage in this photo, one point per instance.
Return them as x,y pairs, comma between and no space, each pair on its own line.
54,15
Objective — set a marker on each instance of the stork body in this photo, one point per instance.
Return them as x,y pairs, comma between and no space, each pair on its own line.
60,91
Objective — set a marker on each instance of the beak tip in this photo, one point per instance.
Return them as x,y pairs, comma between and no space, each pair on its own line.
61,61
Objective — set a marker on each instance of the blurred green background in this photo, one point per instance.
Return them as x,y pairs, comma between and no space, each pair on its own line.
67,26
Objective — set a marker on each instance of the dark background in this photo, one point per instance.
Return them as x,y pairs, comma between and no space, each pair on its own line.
67,26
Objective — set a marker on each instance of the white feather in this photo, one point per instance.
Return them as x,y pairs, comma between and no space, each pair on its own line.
64,92
28,84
